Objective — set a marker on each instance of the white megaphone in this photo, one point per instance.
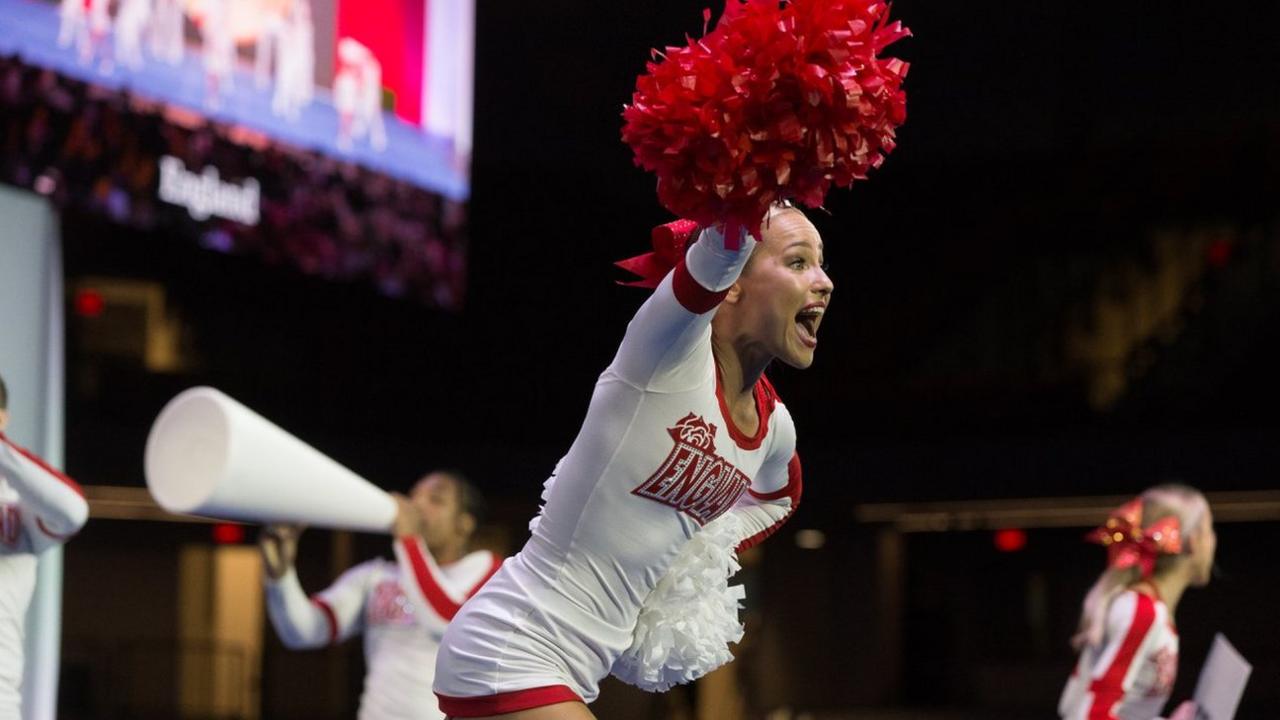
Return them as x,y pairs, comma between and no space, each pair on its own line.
209,455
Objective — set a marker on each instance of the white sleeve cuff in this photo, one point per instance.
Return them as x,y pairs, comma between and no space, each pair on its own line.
713,266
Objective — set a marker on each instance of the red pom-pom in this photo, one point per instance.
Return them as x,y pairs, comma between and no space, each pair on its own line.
778,102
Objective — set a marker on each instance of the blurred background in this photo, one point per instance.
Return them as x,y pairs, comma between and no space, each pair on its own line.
1061,288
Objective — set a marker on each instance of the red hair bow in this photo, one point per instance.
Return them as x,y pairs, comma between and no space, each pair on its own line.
670,242
1129,544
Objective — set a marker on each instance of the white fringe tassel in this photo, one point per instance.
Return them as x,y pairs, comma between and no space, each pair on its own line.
687,622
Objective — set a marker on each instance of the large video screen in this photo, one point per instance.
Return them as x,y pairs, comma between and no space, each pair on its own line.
386,84
330,136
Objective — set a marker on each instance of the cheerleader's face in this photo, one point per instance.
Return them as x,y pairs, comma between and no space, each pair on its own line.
437,498
783,293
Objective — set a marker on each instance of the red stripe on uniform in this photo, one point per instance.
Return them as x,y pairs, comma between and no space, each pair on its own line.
506,702
332,619
431,590
793,490
691,295
45,529
43,465
1108,690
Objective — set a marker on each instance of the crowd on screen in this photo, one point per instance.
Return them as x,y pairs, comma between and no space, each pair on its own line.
91,148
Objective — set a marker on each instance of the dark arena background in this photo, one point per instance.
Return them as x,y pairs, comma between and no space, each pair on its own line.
1062,287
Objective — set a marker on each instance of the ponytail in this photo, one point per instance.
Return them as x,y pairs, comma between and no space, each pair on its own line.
1158,502
1093,615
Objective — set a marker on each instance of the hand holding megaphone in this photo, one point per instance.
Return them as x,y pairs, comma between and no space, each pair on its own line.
409,522
209,455
279,545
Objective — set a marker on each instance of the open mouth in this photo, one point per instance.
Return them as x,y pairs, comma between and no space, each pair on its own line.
807,321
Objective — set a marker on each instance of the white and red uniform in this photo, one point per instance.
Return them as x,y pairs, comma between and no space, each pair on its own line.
402,611
657,458
39,508
1130,675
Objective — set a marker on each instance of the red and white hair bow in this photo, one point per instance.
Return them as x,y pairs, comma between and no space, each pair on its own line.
1129,544
670,242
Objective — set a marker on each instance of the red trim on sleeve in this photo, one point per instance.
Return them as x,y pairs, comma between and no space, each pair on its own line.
45,529
1108,690
793,490
691,295
43,465
506,702
775,495
329,616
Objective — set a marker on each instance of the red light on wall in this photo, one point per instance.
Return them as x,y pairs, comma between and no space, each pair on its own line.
89,303
1218,254
228,533
1010,540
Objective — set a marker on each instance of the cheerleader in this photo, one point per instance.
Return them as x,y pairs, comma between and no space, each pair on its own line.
218,51
401,608
39,508
683,428
687,454
1158,545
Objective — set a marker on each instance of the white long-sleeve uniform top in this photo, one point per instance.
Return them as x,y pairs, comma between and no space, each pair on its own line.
402,610
1130,675
657,458
39,508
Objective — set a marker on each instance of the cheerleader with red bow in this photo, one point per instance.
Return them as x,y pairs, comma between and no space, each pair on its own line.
1158,545
687,454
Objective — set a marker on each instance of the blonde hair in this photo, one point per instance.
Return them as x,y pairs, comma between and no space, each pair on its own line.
1158,502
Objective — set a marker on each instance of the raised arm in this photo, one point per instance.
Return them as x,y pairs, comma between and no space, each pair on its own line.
53,505
664,340
304,622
